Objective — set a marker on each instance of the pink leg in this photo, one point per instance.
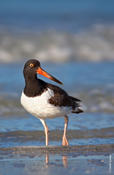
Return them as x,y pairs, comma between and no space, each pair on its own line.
46,130
64,140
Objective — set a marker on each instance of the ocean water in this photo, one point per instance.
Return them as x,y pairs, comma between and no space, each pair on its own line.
57,31
74,41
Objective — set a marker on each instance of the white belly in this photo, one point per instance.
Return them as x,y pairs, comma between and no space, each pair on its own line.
41,108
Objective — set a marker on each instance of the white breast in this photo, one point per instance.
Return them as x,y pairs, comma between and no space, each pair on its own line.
41,108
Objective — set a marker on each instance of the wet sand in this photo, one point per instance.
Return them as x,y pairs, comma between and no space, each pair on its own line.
41,160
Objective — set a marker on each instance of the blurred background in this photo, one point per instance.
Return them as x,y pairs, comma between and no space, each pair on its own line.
57,31
74,40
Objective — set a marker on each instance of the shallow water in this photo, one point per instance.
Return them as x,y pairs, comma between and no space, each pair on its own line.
57,160
91,165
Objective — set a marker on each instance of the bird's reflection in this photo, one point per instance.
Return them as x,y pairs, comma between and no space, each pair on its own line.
64,160
47,159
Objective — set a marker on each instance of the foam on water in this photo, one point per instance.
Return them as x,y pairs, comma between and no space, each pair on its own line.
93,44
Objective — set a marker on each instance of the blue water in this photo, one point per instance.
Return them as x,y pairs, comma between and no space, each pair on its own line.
57,31
74,75
65,15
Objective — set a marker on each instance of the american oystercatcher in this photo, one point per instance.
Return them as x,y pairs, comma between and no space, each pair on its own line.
44,100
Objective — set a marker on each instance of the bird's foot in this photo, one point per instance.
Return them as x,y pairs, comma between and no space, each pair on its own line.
65,141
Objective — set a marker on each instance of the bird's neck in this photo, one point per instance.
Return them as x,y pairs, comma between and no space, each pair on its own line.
33,87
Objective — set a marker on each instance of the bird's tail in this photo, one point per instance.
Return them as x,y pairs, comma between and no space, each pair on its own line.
78,110
77,106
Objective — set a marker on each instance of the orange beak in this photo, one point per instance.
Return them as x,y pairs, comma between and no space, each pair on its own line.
45,74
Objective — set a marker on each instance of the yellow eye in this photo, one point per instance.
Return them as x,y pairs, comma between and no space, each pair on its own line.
31,65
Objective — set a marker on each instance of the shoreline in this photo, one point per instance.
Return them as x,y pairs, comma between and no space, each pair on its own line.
80,149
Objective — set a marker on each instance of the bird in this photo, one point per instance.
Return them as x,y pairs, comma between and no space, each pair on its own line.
47,101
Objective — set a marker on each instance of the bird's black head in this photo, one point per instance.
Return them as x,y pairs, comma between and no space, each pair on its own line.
32,68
